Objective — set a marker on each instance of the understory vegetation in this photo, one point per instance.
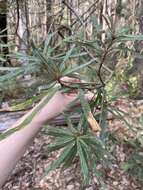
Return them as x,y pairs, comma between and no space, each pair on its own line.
103,62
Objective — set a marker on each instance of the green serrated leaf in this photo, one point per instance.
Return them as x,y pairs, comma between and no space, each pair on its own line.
69,159
93,140
58,132
75,69
84,103
83,161
82,122
130,37
55,164
62,142
44,61
87,112
47,42
70,125
66,57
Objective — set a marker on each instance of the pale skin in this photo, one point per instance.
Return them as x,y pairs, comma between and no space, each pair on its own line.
13,147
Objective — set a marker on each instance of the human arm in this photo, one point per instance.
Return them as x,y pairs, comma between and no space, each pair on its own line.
14,146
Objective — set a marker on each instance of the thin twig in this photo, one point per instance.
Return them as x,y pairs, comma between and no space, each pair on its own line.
18,17
103,59
87,11
100,67
93,57
69,6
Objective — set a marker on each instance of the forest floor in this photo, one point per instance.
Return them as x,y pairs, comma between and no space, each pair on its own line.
28,172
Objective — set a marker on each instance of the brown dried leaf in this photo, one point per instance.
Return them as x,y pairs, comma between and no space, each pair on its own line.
93,123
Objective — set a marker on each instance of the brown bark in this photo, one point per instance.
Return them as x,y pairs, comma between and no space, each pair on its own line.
49,15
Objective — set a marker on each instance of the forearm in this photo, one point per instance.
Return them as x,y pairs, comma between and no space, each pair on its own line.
14,146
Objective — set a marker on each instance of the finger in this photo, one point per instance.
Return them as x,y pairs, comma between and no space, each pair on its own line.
73,95
89,95
69,80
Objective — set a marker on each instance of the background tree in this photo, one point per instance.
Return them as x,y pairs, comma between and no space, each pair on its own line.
3,26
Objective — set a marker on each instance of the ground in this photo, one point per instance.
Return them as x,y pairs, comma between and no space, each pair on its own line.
28,173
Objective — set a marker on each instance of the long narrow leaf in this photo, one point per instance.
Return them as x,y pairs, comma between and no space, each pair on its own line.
67,56
67,150
87,112
83,161
43,60
28,118
58,132
47,42
75,69
93,140
60,144
69,159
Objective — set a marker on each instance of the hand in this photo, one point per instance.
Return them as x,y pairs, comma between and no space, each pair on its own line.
67,81
59,102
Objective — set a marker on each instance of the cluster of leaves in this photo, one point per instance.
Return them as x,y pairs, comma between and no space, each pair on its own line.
77,144
134,164
92,60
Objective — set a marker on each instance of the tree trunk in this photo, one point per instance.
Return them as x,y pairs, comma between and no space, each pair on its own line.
3,26
22,30
137,68
49,15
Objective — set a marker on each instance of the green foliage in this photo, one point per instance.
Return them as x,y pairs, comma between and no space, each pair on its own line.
134,163
76,144
77,56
